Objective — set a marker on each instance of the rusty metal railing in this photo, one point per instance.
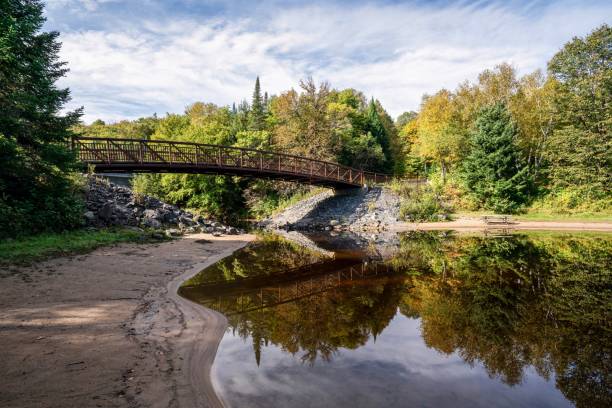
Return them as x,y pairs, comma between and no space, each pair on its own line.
109,154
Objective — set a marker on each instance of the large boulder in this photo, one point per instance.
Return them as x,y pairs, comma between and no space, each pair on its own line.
152,223
153,214
105,212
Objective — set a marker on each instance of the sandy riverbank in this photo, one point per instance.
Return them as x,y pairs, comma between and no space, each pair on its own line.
107,329
473,224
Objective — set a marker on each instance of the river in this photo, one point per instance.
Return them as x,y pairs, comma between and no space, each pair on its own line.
427,319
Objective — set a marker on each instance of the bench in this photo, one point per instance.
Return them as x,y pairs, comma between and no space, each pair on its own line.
497,219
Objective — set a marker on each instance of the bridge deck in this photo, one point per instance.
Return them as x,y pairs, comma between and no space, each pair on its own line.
161,156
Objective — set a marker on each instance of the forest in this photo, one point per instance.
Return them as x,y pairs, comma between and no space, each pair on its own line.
504,143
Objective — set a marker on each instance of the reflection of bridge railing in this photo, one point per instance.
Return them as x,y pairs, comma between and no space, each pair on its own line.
134,155
234,300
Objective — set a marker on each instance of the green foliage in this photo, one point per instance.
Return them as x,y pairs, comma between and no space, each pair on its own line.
582,153
422,207
35,192
404,118
420,202
493,171
217,196
257,115
574,201
42,246
142,128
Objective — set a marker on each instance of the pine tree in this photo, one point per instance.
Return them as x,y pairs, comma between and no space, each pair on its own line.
35,194
258,117
493,171
377,129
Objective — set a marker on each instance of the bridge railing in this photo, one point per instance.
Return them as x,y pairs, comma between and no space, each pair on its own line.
185,154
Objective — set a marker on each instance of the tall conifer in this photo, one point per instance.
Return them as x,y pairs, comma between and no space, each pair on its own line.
257,109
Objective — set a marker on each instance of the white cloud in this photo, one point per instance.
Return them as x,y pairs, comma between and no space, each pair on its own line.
394,53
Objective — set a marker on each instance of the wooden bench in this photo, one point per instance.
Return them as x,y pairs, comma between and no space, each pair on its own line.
497,219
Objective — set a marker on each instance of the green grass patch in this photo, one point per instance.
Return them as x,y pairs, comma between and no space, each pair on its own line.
39,247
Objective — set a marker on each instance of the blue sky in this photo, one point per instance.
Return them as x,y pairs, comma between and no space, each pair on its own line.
131,58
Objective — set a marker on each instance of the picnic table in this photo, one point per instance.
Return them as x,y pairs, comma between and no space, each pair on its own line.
497,219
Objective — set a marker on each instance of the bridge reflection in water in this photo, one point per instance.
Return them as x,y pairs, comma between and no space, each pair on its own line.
251,294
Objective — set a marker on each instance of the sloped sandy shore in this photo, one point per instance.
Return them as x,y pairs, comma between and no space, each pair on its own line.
107,329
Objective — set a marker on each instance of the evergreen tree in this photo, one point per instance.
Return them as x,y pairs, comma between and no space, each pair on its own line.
492,171
378,131
258,116
35,193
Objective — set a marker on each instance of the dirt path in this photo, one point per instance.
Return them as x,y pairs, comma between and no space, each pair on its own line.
477,224
107,329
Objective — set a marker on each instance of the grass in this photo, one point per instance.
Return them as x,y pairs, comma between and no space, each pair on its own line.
39,247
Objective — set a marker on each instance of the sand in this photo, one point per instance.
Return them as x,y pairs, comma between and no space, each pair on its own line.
475,224
107,329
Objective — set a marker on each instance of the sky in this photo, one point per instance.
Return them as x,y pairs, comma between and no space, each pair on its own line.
133,58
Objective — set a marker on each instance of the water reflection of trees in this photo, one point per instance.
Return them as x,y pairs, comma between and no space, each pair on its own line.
317,326
270,254
510,303
541,301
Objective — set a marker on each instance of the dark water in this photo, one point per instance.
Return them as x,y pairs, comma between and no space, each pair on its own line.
438,321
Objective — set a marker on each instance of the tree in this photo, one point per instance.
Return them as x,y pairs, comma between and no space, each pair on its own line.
301,122
493,171
582,152
404,118
35,192
440,136
258,115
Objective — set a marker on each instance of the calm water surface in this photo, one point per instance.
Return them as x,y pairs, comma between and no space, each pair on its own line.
437,321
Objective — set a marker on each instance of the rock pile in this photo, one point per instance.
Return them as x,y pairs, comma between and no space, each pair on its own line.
371,209
111,205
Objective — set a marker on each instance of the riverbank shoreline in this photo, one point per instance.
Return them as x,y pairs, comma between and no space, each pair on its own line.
474,224
109,329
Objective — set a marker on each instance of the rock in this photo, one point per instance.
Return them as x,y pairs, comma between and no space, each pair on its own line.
108,204
154,214
173,232
333,223
152,223
106,212
217,234
170,217
232,231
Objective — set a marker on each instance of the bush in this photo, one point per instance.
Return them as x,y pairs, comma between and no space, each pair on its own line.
574,200
420,202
